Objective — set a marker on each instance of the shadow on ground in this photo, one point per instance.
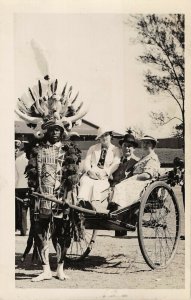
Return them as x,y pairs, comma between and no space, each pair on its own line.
111,265
29,265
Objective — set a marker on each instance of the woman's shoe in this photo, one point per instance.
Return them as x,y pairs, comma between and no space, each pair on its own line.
112,206
120,233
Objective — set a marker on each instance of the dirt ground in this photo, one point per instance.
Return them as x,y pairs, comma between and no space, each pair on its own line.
127,269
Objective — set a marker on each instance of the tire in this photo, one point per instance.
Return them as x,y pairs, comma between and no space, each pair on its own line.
82,239
159,225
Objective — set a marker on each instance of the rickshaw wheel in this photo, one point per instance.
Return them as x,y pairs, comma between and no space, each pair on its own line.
82,239
159,225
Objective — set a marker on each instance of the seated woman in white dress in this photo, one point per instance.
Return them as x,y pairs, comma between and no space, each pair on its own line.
101,161
129,191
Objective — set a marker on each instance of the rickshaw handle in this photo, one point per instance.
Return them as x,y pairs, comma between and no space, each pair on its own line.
89,211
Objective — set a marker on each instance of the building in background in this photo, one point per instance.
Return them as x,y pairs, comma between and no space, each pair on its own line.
88,132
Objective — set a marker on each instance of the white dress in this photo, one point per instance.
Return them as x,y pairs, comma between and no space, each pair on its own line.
96,191
129,191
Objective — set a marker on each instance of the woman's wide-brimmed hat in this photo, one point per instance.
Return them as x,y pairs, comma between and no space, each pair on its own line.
149,138
102,130
129,138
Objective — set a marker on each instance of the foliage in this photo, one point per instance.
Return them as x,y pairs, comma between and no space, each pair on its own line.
163,38
136,131
179,129
161,118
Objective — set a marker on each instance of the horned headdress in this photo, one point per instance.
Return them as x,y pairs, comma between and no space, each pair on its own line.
43,107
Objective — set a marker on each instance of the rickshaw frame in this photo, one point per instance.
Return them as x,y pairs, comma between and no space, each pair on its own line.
131,218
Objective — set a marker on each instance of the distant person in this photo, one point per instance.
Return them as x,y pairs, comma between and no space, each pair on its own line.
21,188
17,147
17,205
101,161
148,167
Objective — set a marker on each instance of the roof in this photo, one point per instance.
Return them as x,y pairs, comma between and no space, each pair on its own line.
21,127
86,128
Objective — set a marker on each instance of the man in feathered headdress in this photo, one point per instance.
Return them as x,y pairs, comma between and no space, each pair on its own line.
53,168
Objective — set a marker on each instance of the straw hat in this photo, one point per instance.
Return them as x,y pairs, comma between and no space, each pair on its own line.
102,130
149,138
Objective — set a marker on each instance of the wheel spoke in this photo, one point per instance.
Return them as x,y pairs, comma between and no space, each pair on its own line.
158,225
161,243
80,241
166,241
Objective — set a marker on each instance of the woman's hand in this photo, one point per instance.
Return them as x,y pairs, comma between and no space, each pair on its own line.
92,174
143,176
101,174
97,173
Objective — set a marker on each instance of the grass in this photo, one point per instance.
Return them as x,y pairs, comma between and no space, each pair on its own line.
166,155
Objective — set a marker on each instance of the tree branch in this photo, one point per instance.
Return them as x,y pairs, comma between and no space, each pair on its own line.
174,74
171,120
165,52
170,92
159,44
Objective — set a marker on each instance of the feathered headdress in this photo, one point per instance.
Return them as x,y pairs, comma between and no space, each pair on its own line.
43,107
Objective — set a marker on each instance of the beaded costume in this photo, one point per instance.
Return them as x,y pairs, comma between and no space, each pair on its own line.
53,167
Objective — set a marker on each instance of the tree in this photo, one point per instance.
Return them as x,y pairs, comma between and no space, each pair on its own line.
163,38
138,132
161,118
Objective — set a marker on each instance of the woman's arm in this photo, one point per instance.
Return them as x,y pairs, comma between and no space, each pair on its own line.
115,164
87,161
87,164
143,176
150,170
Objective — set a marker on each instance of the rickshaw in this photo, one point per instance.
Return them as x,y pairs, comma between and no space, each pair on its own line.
156,217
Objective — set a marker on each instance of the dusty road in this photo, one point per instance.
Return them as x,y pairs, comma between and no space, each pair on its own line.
97,272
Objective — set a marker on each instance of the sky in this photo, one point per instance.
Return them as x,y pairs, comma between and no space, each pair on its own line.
93,53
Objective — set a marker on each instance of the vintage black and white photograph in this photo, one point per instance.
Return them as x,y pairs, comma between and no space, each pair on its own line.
99,151
95,123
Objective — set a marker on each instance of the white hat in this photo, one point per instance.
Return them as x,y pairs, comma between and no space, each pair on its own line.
102,130
149,138
17,143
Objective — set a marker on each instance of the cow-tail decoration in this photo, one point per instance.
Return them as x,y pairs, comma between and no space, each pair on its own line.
43,106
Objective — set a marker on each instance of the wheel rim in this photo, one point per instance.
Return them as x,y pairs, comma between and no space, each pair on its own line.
82,240
159,227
